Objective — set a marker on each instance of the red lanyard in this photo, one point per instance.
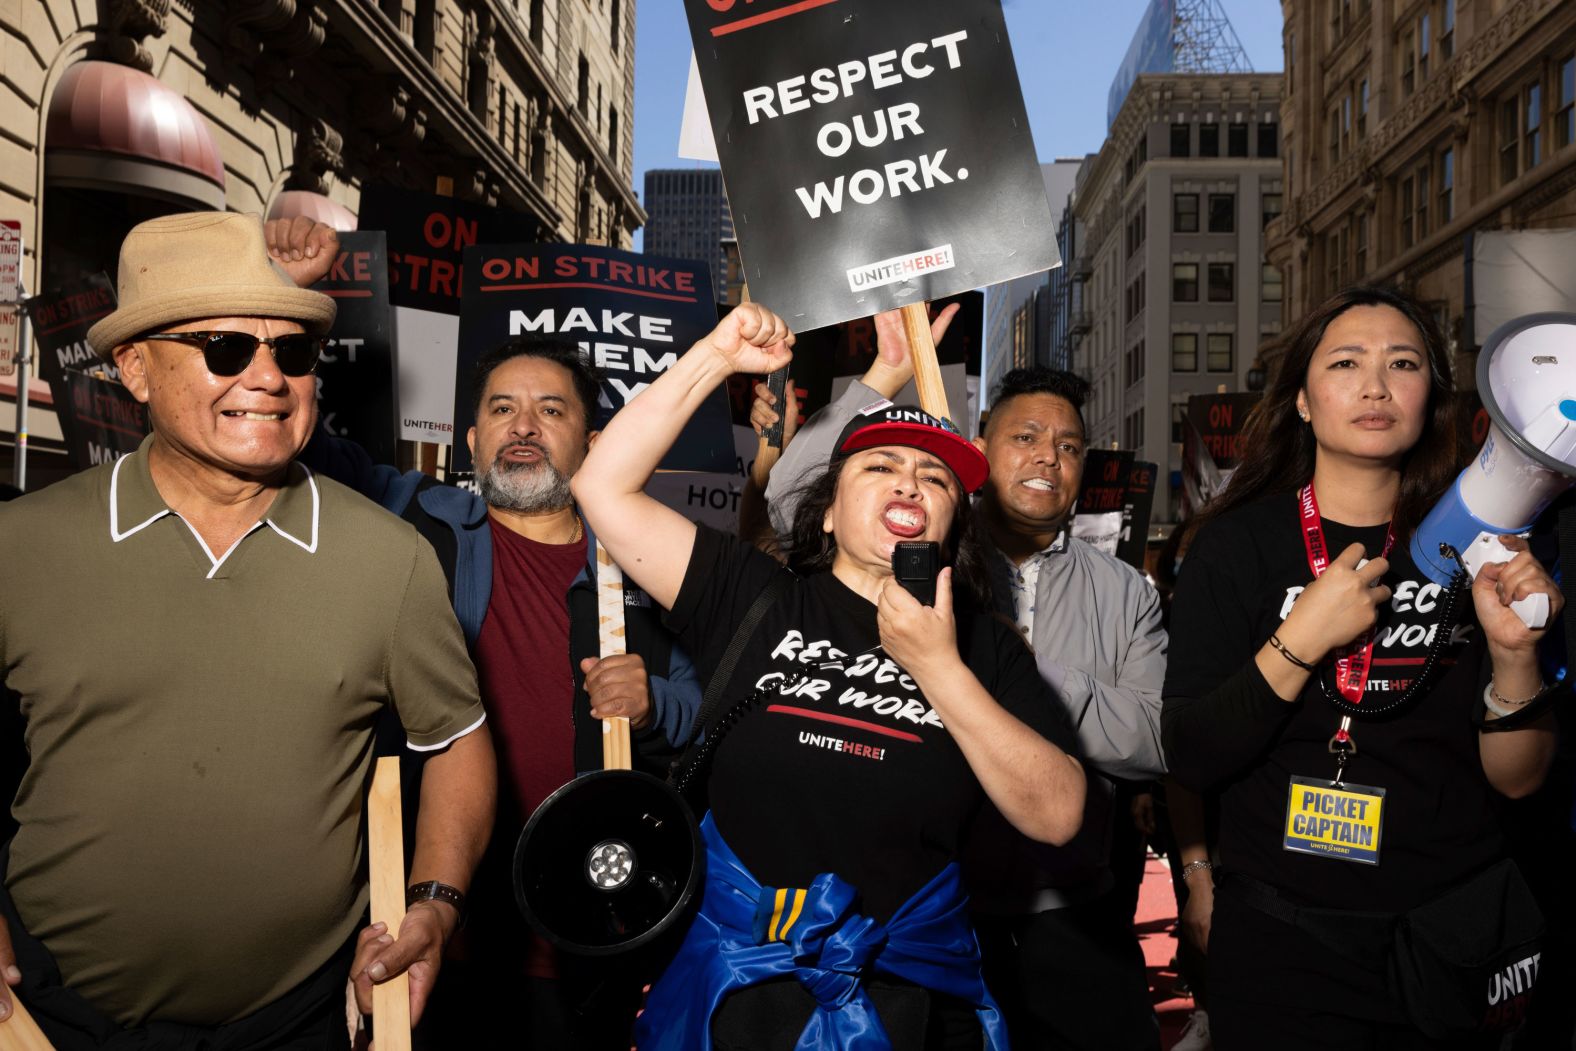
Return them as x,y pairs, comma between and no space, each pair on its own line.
1352,661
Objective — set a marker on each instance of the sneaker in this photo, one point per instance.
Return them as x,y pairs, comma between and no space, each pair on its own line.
1195,1034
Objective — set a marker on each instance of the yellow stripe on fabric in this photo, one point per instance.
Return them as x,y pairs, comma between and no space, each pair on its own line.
777,914
793,917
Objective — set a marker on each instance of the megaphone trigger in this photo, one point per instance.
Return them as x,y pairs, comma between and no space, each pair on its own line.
1487,550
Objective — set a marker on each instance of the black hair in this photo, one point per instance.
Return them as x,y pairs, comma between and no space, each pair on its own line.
586,379
1279,449
810,549
1038,379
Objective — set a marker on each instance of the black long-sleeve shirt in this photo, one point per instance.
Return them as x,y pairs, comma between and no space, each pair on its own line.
1225,730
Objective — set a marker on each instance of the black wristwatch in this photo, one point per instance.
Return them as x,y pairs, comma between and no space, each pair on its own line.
432,890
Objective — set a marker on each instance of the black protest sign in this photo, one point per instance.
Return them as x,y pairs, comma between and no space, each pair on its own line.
355,379
876,152
1212,445
632,315
61,318
99,418
427,239
1102,499
1136,513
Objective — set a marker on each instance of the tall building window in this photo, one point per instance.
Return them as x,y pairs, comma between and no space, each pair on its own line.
1222,282
1346,123
1237,140
1425,195
1408,63
1362,109
1408,203
1270,279
1184,282
1447,186
1334,260
1184,352
1270,204
612,132
1209,140
1269,139
1533,139
1447,32
1509,139
616,30
1217,352
1181,145
1335,136
1360,239
1222,213
1565,115
583,88
1134,365
1184,213
1424,29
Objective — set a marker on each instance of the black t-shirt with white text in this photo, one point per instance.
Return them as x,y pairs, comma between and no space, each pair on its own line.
1227,730
852,772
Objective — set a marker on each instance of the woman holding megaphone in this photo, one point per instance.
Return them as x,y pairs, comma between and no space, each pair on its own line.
865,728
1355,719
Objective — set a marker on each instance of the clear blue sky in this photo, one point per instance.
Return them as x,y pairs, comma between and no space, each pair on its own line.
1067,52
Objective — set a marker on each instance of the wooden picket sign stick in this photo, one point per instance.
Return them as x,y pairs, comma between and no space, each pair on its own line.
386,867
19,1032
616,752
922,351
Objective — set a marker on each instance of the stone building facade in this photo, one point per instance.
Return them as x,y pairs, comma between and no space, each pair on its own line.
1410,126
113,111
1176,298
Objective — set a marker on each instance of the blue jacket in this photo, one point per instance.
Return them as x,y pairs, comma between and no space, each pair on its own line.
454,521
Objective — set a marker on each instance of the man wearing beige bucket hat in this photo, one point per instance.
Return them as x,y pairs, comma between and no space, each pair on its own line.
203,636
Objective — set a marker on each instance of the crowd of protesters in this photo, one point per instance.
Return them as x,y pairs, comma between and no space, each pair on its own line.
921,821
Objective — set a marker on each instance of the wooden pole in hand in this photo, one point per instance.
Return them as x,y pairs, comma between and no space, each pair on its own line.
386,865
922,351
616,753
19,1032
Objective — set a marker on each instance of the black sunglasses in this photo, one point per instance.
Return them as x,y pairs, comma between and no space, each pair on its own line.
229,353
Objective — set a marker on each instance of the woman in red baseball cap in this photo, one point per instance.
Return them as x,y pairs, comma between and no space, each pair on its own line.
860,735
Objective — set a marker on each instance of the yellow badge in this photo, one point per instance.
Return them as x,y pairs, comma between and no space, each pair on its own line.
1340,821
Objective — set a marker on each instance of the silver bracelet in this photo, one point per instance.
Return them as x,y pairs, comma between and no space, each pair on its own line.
1194,866
1497,704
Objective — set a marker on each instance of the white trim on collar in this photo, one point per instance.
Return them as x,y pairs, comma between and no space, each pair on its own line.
115,535
309,548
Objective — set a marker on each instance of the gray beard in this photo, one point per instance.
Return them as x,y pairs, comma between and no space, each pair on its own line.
523,487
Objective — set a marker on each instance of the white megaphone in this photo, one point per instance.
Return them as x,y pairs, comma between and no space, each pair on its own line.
1526,376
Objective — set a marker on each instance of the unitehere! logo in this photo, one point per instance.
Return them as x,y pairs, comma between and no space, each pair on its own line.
901,268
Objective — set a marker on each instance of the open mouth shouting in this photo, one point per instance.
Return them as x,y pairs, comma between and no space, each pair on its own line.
521,454
904,519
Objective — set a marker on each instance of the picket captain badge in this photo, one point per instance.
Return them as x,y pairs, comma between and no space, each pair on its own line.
1340,821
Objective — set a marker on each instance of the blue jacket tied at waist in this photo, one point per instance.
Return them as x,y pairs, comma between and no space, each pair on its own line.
746,934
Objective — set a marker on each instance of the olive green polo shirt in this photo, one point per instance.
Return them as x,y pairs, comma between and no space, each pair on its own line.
200,725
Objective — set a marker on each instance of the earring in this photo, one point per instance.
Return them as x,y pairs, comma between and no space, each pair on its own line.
1304,416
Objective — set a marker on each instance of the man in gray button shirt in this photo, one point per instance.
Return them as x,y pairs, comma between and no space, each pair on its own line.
1060,951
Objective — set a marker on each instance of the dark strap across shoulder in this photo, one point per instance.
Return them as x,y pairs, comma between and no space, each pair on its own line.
730,658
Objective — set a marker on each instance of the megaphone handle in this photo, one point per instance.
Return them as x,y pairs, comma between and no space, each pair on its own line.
1487,550
616,749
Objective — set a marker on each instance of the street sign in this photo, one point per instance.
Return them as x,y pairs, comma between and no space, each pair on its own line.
10,260
8,340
